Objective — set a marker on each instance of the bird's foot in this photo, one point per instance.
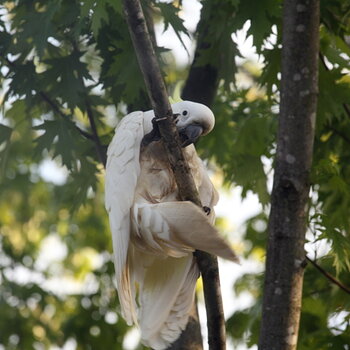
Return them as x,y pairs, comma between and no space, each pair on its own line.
207,210
153,135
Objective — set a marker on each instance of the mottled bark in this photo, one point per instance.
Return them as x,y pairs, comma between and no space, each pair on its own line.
208,265
187,189
285,259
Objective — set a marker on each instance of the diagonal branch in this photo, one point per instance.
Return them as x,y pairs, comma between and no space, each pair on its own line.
92,137
329,276
184,180
99,147
52,104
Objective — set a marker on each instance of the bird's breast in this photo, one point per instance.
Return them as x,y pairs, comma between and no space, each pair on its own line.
156,182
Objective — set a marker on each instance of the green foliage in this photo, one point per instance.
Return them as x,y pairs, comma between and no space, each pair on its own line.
65,134
170,15
66,62
266,13
5,133
243,135
217,39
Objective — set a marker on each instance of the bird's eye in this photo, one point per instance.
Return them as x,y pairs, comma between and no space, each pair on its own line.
184,113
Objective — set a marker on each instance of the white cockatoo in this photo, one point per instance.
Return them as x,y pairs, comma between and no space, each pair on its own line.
154,234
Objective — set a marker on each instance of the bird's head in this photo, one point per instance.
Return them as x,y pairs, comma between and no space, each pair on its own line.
192,121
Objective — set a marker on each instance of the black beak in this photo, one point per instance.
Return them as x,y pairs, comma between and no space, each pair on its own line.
190,134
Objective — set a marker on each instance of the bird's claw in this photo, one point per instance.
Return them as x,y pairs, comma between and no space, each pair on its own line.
207,210
153,135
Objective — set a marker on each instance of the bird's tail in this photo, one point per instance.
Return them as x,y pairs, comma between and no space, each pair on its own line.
166,295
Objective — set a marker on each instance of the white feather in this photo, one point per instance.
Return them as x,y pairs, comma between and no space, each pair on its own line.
122,171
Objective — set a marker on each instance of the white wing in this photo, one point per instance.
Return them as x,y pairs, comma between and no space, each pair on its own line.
175,229
122,171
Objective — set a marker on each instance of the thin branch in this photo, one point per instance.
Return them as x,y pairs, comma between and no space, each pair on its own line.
54,106
184,180
101,153
329,276
92,137
99,147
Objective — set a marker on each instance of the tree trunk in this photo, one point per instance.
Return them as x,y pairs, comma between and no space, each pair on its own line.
285,259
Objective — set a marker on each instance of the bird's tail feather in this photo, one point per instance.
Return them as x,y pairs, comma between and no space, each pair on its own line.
166,297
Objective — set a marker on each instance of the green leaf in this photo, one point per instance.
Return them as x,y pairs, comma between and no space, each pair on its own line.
81,182
35,21
65,79
341,250
5,41
100,15
59,135
24,80
254,136
5,133
272,67
171,17
124,66
99,12
262,15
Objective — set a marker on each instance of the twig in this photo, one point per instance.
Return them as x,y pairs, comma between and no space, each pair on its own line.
184,180
329,276
99,148
54,106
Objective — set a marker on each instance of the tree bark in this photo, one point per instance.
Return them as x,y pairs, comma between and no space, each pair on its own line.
285,259
184,180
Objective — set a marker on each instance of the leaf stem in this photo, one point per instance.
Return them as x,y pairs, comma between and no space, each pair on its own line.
99,147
